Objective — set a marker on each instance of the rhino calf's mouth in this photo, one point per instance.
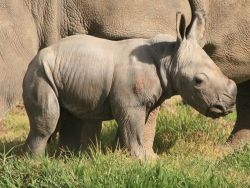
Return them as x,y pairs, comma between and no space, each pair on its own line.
217,110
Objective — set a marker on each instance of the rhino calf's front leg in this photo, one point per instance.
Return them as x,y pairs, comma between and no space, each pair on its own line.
131,122
149,134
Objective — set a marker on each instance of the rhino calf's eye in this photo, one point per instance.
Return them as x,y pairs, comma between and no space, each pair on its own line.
198,81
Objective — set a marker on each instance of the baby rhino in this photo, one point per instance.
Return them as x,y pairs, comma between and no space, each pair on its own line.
96,79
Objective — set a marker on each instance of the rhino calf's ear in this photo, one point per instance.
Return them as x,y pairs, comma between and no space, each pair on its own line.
198,26
180,26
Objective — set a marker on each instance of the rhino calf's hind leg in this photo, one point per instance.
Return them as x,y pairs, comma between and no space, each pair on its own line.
241,132
43,111
69,131
75,133
90,131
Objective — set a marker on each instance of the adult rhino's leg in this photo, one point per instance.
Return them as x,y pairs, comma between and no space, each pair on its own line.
241,132
12,69
18,45
149,134
76,133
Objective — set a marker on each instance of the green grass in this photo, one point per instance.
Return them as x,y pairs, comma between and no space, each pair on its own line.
188,144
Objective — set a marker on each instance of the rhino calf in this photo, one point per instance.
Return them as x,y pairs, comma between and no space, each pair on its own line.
97,79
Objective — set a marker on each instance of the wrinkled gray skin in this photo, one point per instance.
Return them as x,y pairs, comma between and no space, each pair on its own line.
28,25
97,79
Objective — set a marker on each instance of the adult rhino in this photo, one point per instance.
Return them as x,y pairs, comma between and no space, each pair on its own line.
29,25
98,79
